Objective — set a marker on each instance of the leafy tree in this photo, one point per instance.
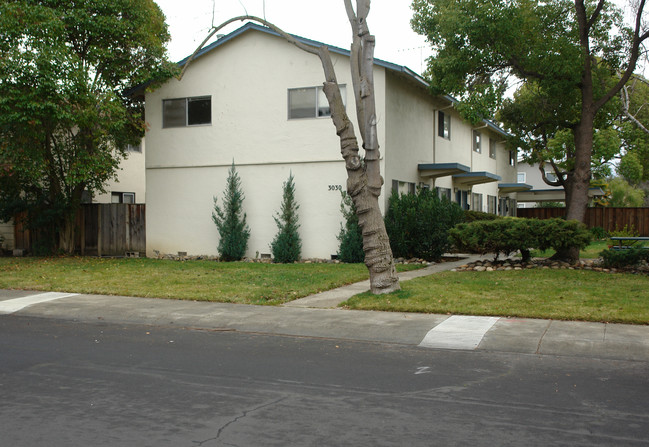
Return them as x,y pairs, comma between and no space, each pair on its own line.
630,168
63,116
231,220
577,56
634,130
624,195
287,245
350,237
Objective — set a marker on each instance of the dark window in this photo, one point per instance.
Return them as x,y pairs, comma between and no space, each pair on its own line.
477,141
181,112
309,102
444,125
122,197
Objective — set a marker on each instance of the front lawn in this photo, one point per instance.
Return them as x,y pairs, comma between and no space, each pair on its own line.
535,293
231,282
592,251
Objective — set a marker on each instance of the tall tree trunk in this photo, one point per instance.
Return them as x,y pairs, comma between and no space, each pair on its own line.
376,245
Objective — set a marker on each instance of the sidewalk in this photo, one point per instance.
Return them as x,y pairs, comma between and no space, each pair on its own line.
332,298
316,316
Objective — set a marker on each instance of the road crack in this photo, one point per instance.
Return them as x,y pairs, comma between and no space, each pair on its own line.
243,415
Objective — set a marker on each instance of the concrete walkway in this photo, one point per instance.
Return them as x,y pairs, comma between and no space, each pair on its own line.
332,298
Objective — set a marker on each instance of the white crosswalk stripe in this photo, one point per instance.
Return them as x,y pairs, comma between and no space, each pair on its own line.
458,332
16,304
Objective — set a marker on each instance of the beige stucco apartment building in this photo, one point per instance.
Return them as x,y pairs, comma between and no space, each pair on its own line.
253,99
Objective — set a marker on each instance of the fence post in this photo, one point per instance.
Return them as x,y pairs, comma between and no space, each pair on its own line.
99,231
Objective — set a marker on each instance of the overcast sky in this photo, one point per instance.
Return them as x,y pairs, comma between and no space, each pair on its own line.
322,20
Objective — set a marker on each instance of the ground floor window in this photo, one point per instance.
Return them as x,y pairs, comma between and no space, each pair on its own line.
462,199
476,202
492,204
403,187
122,197
444,193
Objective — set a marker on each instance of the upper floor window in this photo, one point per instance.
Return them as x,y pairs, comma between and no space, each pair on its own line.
444,125
477,141
521,177
181,112
512,158
309,102
134,147
551,176
492,149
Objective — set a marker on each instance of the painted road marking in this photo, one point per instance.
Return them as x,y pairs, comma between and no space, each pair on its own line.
458,332
16,304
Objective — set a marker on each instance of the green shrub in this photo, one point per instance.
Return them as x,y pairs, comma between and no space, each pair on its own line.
231,220
287,245
627,231
560,234
472,216
418,224
625,257
512,234
350,238
598,233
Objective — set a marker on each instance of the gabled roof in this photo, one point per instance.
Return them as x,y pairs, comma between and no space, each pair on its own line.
399,69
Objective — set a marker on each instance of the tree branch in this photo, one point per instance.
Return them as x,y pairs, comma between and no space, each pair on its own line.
595,15
638,39
624,96
288,37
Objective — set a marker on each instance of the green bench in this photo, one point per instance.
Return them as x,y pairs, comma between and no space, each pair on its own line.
620,239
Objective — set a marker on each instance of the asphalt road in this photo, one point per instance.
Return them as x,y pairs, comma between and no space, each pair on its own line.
66,383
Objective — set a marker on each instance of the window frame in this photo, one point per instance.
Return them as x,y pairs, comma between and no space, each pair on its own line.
518,177
121,196
443,125
186,107
551,176
318,93
477,141
492,149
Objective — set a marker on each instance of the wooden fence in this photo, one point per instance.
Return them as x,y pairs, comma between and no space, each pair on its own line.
610,219
113,229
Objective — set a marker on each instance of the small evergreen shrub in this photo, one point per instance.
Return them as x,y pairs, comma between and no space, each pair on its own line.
624,258
287,245
512,234
418,224
350,238
231,220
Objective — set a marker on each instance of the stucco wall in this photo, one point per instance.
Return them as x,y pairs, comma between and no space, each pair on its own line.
410,127
130,178
248,80
412,138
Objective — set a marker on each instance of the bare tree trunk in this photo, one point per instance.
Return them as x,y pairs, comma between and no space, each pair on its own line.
364,181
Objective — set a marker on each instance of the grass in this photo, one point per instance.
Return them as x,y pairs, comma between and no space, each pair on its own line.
535,293
592,251
235,282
